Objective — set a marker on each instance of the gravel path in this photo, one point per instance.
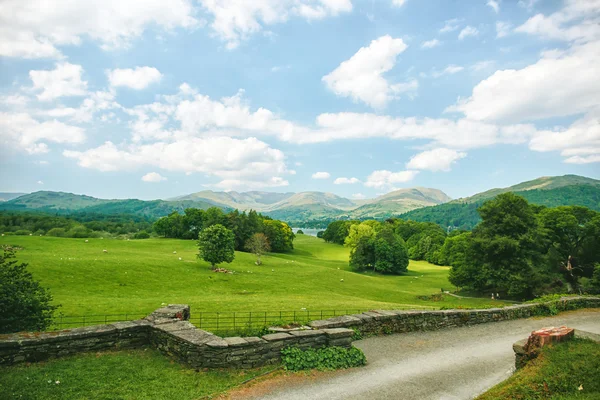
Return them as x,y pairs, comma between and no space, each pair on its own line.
458,363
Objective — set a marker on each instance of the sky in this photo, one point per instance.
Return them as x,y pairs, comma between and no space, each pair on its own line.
154,99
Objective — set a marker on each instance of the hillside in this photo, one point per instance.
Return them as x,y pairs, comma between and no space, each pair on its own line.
398,202
464,215
6,196
254,200
543,183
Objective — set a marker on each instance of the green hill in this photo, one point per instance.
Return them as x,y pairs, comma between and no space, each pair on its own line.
6,196
464,214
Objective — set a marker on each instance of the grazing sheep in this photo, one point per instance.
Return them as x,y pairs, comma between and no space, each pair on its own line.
86,240
105,251
179,258
341,280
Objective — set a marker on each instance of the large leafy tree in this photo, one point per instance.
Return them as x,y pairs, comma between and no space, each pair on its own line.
217,245
383,251
279,234
505,250
24,304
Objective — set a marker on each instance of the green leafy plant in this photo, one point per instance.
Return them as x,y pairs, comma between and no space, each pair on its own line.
326,358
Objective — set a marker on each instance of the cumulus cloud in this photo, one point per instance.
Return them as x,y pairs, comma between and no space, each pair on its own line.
64,80
467,31
440,159
238,163
386,179
429,44
237,20
361,76
398,3
21,131
153,177
345,181
321,175
31,29
137,78
450,25
541,88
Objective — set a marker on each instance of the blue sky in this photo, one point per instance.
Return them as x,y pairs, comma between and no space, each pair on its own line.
153,99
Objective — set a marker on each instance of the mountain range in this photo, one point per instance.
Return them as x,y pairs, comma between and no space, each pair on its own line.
416,203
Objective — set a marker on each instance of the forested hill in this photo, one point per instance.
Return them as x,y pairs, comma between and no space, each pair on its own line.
464,215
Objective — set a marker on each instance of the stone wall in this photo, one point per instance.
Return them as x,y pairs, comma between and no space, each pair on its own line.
385,321
169,330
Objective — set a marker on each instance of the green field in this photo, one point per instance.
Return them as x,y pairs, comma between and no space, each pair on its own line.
137,276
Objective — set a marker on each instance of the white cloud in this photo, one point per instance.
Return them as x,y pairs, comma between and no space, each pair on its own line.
64,80
344,181
467,31
21,131
40,182
577,21
440,159
429,44
321,175
527,4
94,103
450,25
153,177
361,76
238,163
383,178
481,65
398,3
236,20
449,70
541,88
494,5
138,78
503,29
32,29
358,196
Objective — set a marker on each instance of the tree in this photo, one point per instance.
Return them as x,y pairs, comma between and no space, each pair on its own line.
217,245
358,231
258,244
279,234
383,251
24,304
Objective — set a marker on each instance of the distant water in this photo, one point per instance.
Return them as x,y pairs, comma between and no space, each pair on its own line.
308,231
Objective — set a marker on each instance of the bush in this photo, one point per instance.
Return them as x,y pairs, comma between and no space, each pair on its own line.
79,232
24,304
23,232
326,358
57,232
300,232
141,235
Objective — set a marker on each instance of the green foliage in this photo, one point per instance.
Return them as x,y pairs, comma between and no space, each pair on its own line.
24,304
337,231
57,232
300,232
280,235
216,244
320,234
558,372
141,235
23,232
383,251
326,358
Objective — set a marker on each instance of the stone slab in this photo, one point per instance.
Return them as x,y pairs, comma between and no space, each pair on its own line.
276,337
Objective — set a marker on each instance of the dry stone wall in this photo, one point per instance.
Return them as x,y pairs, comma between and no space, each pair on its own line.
168,329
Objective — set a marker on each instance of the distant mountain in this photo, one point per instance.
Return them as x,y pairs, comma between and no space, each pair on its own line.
6,196
547,191
543,183
69,203
247,200
398,202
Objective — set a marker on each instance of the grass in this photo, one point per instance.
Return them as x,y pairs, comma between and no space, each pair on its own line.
137,276
557,374
134,374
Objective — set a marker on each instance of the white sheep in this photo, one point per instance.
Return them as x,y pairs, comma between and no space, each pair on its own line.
174,252
179,258
105,251
86,240
341,280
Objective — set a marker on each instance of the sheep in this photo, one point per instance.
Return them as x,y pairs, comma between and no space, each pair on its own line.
86,240
174,252
341,280
179,258
105,251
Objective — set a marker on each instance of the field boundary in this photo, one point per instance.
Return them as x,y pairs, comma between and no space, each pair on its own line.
169,330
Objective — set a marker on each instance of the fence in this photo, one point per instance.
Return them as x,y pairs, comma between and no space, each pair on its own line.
220,323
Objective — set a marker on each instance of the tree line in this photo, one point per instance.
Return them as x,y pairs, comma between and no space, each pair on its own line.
518,249
241,224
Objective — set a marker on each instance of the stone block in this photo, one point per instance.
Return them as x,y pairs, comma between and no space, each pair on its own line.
236,342
304,334
276,337
337,333
217,343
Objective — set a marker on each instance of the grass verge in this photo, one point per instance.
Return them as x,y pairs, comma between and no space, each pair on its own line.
565,371
133,374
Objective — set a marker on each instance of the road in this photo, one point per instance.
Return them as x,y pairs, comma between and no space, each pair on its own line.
450,364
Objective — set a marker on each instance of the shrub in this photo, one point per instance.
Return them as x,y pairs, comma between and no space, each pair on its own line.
141,235
23,232
57,232
300,232
78,232
326,358
24,304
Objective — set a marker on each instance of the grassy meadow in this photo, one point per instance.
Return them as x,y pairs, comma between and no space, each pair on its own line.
137,276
